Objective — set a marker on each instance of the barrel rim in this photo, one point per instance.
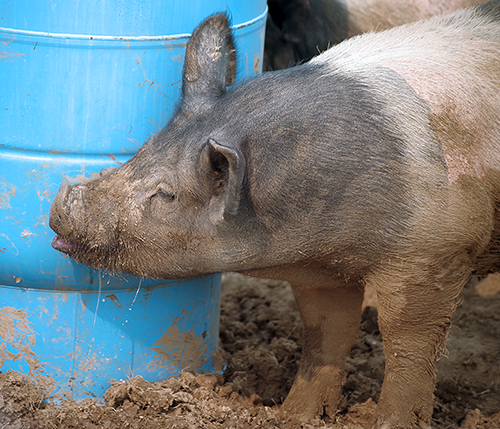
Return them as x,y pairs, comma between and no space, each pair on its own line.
129,39
128,284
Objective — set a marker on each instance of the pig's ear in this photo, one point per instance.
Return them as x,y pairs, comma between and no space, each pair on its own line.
224,168
210,63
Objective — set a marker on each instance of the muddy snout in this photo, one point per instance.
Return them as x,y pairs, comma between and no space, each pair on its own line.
67,203
83,217
58,220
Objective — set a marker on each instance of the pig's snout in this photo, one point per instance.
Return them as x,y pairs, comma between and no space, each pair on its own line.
58,220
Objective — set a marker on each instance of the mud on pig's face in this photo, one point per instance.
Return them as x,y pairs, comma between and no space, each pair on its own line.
149,217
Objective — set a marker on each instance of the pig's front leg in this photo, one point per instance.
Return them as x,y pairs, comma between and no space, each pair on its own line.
414,313
331,318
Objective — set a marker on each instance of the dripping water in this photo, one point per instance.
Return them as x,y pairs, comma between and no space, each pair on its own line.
136,293
98,299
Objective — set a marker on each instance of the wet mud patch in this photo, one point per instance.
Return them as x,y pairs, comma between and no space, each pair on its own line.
261,342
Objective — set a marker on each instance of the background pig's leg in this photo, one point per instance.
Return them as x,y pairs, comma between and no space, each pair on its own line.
414,311
331,318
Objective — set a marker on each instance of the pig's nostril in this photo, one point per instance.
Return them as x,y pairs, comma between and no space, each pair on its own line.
58,220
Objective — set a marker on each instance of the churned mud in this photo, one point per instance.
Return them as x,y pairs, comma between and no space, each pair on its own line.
261,343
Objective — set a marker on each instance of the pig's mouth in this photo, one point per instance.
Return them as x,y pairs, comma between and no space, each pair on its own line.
62,245
88,255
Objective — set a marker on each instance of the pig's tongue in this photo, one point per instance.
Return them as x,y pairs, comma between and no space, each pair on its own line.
60,244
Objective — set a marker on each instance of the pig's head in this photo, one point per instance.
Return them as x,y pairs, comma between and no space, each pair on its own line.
174,194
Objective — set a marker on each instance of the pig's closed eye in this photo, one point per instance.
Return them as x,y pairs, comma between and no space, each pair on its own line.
163,195
161,202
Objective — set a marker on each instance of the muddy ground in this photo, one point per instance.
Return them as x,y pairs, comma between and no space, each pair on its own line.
261,343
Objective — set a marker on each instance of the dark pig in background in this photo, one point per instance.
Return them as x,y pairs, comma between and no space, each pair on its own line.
298,30
377,163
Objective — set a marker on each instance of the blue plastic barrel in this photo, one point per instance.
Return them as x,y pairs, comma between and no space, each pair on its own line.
84,84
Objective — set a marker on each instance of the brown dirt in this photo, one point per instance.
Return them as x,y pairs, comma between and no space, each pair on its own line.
261,342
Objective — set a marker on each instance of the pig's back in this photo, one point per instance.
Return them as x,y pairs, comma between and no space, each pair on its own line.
453,63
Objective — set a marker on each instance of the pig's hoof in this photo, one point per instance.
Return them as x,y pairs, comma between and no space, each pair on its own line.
314,398
398,426
398,417
389,426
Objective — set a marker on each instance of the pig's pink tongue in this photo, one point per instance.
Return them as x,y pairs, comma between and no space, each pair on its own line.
60,244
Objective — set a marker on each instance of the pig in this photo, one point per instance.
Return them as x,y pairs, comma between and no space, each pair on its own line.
375,164
297,30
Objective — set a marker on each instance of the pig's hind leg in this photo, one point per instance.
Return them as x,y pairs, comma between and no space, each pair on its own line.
331,318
